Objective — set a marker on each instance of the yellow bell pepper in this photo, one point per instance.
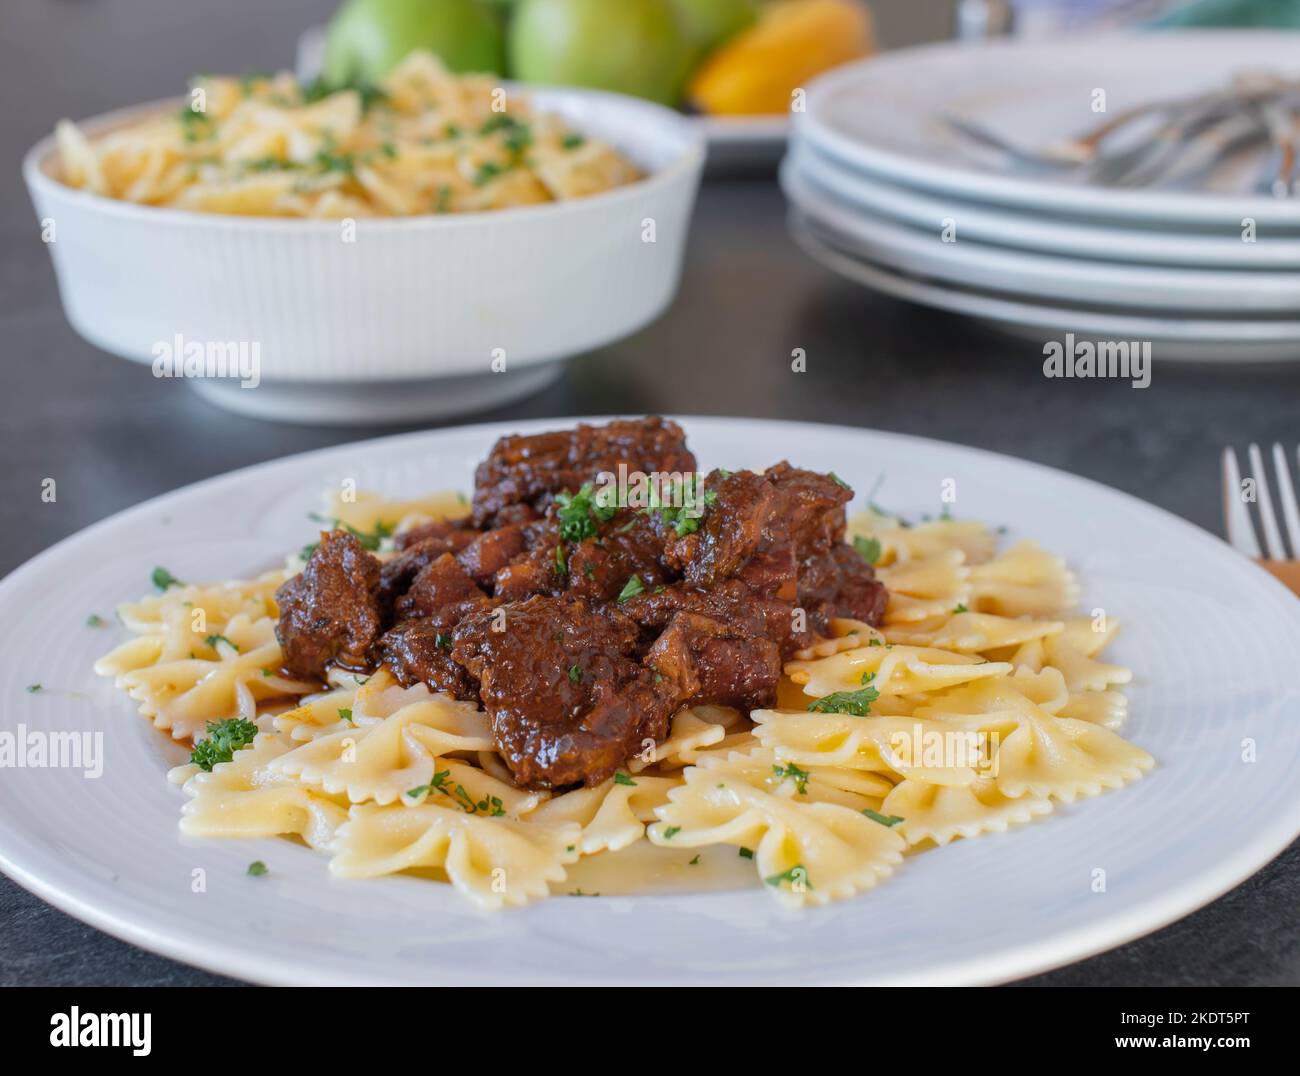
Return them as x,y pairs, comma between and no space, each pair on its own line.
759,69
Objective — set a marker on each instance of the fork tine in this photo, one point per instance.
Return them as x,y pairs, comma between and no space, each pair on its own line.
1268,521
1236,516
1286,497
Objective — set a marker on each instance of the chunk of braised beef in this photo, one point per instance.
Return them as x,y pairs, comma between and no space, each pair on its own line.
811,509
567,699
419,652
330,612
455,534
709,661
860,596
440,583
530,469
491,551
839,583
732,602
544,570
397,574
630,544
731,530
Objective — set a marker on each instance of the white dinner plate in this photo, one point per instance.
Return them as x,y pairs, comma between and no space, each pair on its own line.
883,115
967,261
1212,638
1019,229
1172,335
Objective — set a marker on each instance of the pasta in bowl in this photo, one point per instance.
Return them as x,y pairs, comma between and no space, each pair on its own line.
749,677
424,142
387,263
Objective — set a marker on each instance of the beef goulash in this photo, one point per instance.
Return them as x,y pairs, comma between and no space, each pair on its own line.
579,622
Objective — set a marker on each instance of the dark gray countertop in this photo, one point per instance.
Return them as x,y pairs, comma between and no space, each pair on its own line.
113,436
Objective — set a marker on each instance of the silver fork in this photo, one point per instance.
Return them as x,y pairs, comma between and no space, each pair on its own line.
1282,558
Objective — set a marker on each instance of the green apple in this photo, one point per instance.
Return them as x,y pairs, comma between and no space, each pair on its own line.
368,38
708,23
627,46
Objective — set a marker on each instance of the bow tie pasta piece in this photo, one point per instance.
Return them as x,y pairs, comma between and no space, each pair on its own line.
895,670
899,543
1065,759
612,814
760,767
1106,708
947,753
183,696
807,853
941,813
693,727
372,513
474,791
383,761
845,635
926,587
1074,650
245,798
976,633
491,861
219,603
1026,580
317,715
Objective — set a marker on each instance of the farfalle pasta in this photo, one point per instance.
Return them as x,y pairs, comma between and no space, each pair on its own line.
980,701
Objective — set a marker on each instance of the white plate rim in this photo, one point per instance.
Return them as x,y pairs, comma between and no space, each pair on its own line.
1009,311
1038,275
1022,230
1165,206
1077,943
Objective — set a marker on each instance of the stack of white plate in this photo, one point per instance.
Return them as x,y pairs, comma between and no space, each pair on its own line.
885,191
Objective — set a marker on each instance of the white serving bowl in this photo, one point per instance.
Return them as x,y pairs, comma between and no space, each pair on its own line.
406,321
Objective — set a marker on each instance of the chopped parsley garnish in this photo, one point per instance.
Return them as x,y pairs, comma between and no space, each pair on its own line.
573,140
163,579
212,641
794,773
684,517
345,714
256,869
883,819
443,200
491,806
95,621
518,138
223,740
839,481
561,565
795,874
867,548
858,703
32,689
695,861
631,589
441,641
960,608
621,778
671,832
329,159
196,126
370,541
369,93
579,513
873,642
575,674
487,172
746,853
